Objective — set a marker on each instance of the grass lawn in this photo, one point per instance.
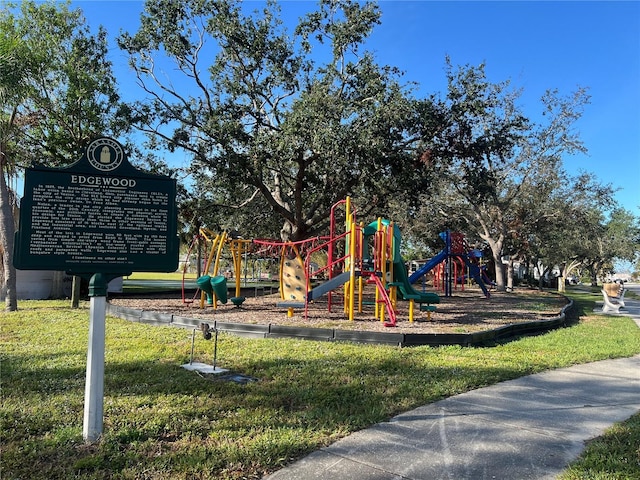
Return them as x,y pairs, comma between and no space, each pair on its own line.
156,282
614,456
163,422
176,276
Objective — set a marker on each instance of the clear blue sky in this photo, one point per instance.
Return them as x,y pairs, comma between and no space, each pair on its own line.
537,45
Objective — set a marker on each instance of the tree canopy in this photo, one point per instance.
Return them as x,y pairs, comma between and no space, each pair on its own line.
495,161
266,121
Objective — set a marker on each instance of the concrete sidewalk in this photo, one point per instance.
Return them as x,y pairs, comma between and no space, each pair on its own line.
528,428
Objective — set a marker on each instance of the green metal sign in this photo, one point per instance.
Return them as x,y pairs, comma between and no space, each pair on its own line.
101,214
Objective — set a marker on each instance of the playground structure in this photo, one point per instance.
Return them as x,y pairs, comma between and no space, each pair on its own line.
452,265
359,259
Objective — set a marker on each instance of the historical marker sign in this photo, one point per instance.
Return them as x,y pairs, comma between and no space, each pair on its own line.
98,215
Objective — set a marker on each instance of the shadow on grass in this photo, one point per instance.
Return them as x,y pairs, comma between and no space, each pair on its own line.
346,389
161,418
163,421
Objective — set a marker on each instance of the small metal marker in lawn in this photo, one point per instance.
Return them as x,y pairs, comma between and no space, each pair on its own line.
199,366
100,218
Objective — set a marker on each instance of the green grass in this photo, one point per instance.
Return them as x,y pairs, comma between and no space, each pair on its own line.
614,456
163,422
158,276
176,277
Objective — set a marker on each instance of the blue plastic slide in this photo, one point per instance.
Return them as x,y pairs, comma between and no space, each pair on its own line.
415,276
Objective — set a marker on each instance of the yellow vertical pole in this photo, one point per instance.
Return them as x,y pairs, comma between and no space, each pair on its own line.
352,270
233,246
237,249
347,250
240,250
345,307
207,265
212,253
393,297
216,265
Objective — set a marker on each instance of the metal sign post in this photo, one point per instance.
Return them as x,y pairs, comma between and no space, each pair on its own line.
94,383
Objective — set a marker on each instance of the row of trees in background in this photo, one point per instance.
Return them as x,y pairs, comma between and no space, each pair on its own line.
279,125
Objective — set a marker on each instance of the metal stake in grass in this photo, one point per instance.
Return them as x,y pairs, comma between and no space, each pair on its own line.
193,342
203,367
215,349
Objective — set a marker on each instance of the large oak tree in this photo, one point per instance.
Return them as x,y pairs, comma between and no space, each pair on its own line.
287,121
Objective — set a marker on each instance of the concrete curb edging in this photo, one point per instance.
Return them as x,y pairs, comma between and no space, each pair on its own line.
329,334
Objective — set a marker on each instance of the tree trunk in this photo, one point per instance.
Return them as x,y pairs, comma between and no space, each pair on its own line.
542,276
499,267
495,244
510,275
57,287
7,232
539,269
75,291
199,260
594,269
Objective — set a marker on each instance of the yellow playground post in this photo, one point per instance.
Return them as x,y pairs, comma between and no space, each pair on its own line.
239,247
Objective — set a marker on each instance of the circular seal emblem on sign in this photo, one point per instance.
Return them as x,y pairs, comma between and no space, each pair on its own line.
105,154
